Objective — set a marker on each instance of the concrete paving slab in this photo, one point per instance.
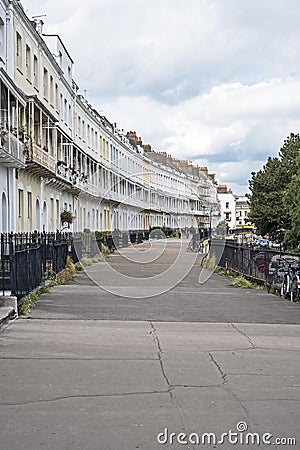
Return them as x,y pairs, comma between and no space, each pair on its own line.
190,370
269,387
99,371
29,381
215,301
111,423
257,362
277,416
77,339
218,410
265,330
209,409
194,339
271,336
204,391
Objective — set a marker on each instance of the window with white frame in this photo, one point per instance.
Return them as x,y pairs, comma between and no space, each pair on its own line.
45,83
19,51
28,63
65,110
29,205
2,46
79,126
35,72
70,116
20,202
56,96
88,135
83,129
61,108
51,90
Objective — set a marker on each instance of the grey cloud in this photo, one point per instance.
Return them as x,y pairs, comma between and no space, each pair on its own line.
238,155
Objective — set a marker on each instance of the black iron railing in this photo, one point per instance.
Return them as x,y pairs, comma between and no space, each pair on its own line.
27,259
254,262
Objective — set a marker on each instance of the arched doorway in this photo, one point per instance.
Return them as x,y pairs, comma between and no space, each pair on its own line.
45,216
38,215
4,227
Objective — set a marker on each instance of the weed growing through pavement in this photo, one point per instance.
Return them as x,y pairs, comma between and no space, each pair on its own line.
209,262
241,282
62,277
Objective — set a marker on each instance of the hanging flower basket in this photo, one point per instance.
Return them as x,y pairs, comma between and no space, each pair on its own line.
66,217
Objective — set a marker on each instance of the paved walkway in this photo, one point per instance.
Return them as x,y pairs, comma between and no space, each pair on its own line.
111,361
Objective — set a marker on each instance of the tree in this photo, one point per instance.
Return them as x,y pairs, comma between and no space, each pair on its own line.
223,225
270,213
291,199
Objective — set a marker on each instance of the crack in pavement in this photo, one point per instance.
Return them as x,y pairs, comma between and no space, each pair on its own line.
224,378
62,358
272,400
178,406
217,365
159,353
243,334
69,397
196,385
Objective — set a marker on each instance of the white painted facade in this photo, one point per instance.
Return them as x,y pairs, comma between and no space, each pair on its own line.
242,211
12,110
72,159
228,208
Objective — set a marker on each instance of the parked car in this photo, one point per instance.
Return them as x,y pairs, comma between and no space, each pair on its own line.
276,244
264,243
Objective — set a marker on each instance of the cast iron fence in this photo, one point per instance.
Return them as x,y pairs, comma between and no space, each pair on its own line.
255,262
27,259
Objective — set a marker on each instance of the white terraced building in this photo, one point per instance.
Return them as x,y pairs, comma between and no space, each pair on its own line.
57,153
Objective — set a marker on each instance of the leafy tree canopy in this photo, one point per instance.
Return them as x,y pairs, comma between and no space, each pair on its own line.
270,203
223,225
291,200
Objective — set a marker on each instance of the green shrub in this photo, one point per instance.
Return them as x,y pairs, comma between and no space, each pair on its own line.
78,267
168,231
70,266
104,250
30,300
241,282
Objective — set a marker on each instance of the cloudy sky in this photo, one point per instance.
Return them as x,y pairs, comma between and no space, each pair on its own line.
213,81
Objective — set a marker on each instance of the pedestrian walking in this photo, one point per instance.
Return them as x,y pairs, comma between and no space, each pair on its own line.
179,233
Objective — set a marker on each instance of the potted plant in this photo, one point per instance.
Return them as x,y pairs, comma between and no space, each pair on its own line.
66,217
